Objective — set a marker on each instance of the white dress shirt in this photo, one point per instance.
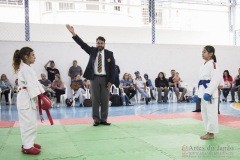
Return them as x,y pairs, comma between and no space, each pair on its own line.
103,64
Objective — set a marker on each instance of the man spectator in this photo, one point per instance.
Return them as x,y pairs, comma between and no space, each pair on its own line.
78,87
236,87
117,72
47,84
52,71
74,70
176,90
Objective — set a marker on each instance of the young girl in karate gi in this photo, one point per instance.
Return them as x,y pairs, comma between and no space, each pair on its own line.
27,98
209,81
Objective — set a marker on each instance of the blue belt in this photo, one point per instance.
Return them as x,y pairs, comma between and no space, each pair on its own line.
204,83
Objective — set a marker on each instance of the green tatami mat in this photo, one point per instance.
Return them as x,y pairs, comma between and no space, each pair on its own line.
168,139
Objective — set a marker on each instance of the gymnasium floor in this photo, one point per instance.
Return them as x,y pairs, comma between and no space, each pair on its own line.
140,132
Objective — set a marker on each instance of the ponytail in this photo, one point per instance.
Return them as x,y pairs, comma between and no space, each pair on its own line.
214,58
16,61
20,55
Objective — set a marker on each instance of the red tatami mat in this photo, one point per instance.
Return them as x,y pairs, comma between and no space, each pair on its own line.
223,119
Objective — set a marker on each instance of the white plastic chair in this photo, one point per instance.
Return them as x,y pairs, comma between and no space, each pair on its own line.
114,90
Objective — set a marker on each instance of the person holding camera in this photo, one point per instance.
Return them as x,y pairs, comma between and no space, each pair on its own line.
52,71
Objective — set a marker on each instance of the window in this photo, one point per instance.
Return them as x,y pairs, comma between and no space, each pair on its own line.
66,6
48,6
92,6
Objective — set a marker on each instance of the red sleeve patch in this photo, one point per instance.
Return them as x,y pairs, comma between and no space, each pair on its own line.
214,65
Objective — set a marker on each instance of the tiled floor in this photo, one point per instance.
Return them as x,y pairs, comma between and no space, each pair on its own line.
9,112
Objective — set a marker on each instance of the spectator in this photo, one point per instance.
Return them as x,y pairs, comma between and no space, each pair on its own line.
149,84
176,90
15,91
140,85
5,86
161,83
117,72
177,80
52,71
74,70
128,87
228,80
86,83
58,87
78,87
47,84
236,87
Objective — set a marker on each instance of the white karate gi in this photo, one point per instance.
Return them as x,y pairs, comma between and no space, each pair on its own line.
209,110
27,104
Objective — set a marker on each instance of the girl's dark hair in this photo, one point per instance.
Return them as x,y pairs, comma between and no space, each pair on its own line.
20,55
228,75
211,49
162,74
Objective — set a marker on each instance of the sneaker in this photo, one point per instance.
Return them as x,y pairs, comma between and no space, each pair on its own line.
232,101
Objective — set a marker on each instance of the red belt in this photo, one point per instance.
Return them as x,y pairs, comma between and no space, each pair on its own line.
24,87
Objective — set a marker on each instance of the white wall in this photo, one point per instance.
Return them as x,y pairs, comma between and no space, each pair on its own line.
59,33
146,58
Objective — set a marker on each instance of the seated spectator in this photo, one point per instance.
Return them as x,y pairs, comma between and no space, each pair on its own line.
15,91
176,90
47,84
5,86
58,87
117,72
78,87
228,81
177,80
74,70
236,87
52,71
161,83
149,84
86,83
128,87
140,85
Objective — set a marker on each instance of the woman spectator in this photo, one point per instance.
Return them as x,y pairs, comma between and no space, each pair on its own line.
161,83
58,87
127,85
5,86
228,80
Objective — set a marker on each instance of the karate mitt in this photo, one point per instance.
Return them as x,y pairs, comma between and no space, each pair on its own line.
195,98
207,97
46,103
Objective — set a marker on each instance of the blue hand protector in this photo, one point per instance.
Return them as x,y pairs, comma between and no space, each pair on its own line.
207,97
195,99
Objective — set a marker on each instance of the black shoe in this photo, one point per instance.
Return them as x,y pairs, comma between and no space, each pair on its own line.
146,99
129,104
197,110
232,101
96,123
153,98
81,105
105,123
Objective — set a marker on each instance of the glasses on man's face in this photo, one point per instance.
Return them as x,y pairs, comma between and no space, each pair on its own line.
4,76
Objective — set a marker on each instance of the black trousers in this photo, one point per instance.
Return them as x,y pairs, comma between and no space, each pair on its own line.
58,93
